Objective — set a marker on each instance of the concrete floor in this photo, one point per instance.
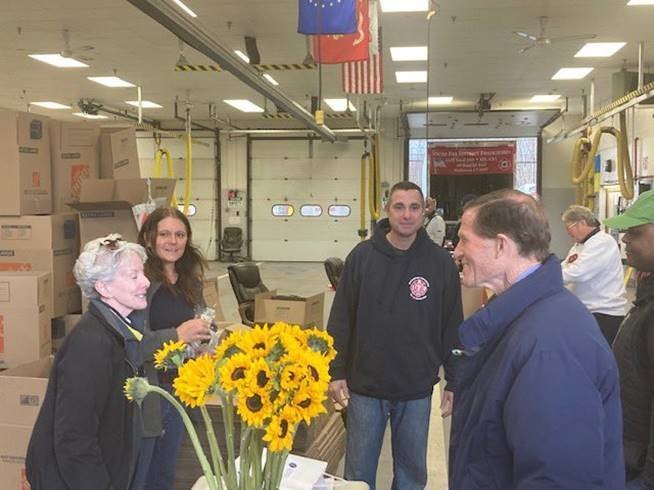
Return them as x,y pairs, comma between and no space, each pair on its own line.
309,278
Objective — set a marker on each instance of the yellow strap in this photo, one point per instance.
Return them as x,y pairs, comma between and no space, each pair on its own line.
137,335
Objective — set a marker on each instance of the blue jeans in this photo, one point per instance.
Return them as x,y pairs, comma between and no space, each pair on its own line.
158,455
366,424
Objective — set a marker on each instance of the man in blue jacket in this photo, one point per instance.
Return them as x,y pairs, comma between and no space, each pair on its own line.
538,399
394,321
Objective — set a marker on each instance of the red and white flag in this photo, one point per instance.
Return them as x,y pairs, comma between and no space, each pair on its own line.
365,76
340,48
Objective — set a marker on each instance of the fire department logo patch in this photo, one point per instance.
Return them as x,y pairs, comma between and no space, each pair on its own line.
572,258
418,288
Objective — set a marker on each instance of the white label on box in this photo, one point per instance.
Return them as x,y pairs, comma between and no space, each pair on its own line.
4,292
16,232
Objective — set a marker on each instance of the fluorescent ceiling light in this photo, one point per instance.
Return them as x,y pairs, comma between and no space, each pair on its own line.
599,50
442,100
410,76
242,55
58,60
243,105
545,98
641,2
404,5
89,116
145,104
185,8
571,73
113,82
50,105
339,105
270,79
411,53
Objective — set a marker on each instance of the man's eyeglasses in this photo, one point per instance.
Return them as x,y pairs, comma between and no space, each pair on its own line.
571,225
112,243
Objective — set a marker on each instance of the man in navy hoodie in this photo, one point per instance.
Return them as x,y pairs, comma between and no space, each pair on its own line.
538,398
394,321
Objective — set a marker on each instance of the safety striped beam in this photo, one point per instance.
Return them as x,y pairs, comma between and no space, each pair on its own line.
267,67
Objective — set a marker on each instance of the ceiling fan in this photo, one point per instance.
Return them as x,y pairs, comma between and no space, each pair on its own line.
542,40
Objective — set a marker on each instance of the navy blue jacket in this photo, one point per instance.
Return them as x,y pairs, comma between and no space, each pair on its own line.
394,318
538,400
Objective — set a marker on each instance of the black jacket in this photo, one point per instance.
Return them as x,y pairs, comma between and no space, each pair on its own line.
634,352
85,435
394,318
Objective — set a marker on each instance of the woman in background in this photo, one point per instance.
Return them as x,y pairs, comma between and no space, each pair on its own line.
87,433
175,268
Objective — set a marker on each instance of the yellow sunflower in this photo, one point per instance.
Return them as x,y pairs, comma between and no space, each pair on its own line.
229,347
233,373
291,376
196,380
254,406
308,401
259,375
320,341
257,342
171,355
317,368
280,431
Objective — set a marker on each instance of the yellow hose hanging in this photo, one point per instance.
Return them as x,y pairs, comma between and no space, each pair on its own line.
161,152
583,161
374,183
363,231
189,160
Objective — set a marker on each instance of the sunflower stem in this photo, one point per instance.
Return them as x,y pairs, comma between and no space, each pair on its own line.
244,470
278,469
216,457
228,415
255,448
204,463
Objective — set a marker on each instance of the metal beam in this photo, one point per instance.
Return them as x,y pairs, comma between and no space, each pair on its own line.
195,36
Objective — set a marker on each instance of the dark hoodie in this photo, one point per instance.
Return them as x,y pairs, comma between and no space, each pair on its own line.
395,316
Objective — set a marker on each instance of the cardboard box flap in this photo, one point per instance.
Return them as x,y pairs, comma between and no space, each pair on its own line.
96,190
81,135
22,390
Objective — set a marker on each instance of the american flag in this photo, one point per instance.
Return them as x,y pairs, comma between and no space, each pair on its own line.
365,77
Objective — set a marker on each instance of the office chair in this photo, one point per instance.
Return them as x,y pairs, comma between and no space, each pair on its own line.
333,268
246,283
232,242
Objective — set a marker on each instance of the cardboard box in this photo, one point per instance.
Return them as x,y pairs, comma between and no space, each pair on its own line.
212,297
307,312
54,232
25,312
22,390
13,449
74,149
118,154
105,205
26,183
48,243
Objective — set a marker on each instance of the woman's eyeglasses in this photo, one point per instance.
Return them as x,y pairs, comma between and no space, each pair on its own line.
112,243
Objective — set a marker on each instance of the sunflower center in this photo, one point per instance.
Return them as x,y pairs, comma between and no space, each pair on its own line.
314,373
262,379
254,403
305,403
259,345
283,428
239,373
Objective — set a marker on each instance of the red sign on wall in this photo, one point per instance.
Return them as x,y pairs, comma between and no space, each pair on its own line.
471,160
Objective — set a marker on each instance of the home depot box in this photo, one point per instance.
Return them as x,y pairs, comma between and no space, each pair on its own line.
25,312
22,390
13,448
105,205
74,148
26,184
270,307
118,154
48,243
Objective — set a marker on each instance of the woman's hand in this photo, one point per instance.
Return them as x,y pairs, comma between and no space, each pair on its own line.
194,330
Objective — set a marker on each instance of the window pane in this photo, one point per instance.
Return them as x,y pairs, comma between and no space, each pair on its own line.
310,210
339,210
284,210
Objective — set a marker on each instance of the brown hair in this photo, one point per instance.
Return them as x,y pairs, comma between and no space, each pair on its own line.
191,265
517,215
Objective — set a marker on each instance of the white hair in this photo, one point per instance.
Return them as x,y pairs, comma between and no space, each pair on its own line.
100,260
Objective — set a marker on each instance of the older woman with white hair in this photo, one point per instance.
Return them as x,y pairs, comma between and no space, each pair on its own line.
87,433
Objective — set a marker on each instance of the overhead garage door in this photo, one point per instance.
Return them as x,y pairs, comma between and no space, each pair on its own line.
297,173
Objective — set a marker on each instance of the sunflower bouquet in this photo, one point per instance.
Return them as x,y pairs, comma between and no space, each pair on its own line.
272,377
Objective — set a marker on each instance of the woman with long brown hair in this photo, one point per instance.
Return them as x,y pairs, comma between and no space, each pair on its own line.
175,268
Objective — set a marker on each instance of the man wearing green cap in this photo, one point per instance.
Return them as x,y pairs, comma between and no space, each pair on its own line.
634,345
